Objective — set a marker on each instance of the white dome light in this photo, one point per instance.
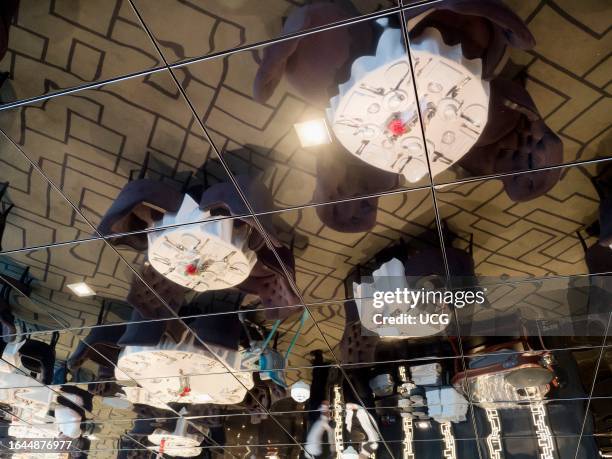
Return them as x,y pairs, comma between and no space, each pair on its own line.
300,391
312,133
81,289
350,453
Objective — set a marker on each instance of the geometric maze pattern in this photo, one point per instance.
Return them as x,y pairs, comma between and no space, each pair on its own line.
532,239
571,89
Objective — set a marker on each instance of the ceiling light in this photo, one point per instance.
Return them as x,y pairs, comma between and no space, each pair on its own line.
312,133
81,289
350,453
423,424
300,391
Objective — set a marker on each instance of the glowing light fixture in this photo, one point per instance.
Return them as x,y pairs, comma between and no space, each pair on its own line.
300,391
423,424
350,453
81,289
313,133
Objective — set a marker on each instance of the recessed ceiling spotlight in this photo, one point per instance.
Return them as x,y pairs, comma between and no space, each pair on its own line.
300,391
423,424
312,133
81,289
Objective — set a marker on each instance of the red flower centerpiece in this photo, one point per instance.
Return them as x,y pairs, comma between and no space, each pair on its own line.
396,127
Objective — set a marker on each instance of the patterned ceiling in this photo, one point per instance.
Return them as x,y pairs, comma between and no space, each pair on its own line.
197,95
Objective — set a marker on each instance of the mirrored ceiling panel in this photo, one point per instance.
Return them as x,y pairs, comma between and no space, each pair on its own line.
329,260
560,311
32,212
125,154
564,232
67,286
197,28
499,93
318,229
51,46
302,122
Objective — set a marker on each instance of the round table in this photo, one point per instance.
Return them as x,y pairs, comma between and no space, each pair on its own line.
211,255
176,444
375,114
185,373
